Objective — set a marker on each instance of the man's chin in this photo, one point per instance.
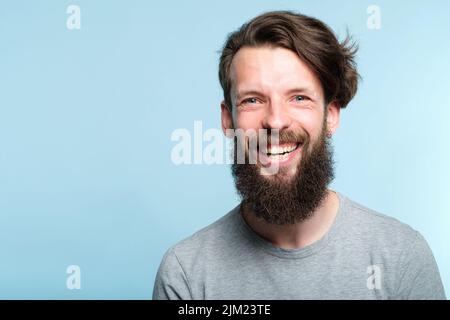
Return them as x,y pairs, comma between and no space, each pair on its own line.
290,193
276,171
280,174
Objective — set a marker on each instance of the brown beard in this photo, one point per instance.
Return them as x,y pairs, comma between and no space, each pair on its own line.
280,201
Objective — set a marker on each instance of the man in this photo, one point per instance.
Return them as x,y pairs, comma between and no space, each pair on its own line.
291,237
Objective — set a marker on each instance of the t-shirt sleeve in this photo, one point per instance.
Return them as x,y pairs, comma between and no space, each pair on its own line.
171,282
420,278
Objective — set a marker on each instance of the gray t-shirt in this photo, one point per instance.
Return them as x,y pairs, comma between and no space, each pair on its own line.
364,255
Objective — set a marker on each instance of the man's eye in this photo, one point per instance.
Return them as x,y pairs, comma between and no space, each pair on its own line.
300,98
250,100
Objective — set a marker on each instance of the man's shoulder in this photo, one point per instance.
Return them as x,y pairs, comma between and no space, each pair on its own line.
402,251
372,223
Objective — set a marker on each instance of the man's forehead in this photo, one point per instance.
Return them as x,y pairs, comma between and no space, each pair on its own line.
265,59
265,68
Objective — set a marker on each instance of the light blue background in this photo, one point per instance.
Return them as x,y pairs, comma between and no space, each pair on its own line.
86,117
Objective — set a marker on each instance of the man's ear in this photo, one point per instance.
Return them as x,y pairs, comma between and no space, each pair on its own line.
333,117
227,117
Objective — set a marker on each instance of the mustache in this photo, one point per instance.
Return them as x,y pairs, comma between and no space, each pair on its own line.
288,136
276,137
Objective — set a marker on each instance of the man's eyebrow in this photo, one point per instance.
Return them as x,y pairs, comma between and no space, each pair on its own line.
300,89
243,93
253,92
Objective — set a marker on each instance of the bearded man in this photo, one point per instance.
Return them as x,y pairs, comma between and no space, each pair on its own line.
292,237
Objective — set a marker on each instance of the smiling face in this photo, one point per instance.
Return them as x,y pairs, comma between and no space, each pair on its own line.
272,88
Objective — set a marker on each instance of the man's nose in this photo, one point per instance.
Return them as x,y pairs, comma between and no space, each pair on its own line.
276,116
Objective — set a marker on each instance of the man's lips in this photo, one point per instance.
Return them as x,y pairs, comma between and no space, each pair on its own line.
279,149
282,154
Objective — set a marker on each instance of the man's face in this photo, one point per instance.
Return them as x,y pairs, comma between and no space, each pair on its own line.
272,88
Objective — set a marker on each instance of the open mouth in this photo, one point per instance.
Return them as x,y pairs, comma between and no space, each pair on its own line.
280,152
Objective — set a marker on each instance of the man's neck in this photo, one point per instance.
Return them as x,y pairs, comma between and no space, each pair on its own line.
300,234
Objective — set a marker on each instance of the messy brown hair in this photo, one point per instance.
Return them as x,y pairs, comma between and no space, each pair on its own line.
314,42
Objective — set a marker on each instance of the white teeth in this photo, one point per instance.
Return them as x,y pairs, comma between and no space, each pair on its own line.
279,156
278,150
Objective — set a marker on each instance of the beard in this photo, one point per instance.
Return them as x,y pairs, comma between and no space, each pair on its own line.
280,200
